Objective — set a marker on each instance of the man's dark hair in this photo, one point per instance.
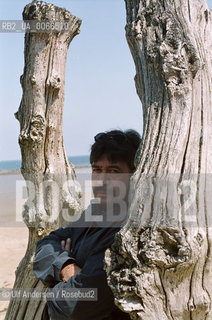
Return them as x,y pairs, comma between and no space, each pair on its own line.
116,145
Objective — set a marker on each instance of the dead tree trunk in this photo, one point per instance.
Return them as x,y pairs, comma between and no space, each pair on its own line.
160,266
52,190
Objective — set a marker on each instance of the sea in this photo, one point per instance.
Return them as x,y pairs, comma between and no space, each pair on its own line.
78,161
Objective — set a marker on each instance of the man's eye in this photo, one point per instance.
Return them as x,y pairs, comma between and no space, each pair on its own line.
114,171
96,170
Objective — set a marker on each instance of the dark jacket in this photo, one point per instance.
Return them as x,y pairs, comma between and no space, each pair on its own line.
89,242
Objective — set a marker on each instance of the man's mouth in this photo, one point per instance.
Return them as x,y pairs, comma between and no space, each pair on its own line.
100,192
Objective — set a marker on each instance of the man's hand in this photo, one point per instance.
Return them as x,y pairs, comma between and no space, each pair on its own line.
71,269
66,245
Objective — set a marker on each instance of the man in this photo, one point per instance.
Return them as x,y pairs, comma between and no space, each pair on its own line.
72,258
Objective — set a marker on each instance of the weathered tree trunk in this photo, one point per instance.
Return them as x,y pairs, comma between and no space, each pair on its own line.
52,190
160,266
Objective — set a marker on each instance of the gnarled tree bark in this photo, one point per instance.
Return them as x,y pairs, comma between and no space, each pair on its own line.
53,195
160,266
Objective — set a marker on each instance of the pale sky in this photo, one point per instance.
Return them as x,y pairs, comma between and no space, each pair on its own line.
100,92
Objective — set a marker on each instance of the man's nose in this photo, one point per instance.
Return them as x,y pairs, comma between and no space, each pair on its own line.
103,178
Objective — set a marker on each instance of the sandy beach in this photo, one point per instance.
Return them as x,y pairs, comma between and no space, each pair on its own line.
12,249
13,233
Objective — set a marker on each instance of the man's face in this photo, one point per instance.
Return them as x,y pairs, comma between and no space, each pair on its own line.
110,179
